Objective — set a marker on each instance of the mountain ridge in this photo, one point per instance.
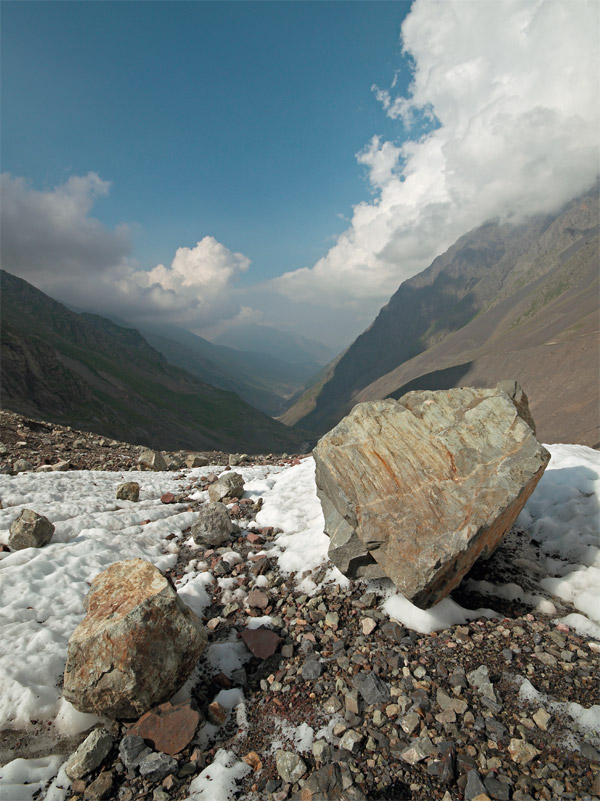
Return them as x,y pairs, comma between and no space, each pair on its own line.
496,289
87,371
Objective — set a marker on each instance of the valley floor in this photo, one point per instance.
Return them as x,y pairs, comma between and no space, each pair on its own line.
492,693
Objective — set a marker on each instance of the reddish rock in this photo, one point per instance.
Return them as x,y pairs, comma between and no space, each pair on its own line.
254,538
169,728
261,642
167,497
216,714
136,646
258,599
221,680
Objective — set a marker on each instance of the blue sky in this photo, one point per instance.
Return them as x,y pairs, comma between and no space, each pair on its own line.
239,120
287,163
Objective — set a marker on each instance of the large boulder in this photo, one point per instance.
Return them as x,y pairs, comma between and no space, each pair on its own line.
30,530
418,488
136,646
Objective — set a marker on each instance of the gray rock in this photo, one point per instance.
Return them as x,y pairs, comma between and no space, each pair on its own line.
327,784
136,646
61,467
213,526
351,741
500,791
132,749
290,766
22,465
474,786
227,486
425,485
156,766
481,681
373,689
91,754
129,491
311,669
30,530
152,460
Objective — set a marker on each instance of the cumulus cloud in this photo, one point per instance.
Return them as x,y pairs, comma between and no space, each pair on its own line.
501,121
50,240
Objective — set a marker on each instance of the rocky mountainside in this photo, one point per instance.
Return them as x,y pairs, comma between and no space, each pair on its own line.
505,301
86,371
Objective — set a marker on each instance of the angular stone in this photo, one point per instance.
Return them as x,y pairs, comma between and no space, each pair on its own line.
30,530
351,741
196,460
427,484
227,486
213,526
474,786
136,646
100,788
327,784
61,467
261,642
168,728
129,491
373,689
541,719
132,750
311,669
216,714
152,460
521,751
91,754
22,465
156,766
290,766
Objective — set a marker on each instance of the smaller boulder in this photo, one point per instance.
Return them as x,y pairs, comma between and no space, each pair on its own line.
30,530
22,465
213,526
129,491
152,460
226,487
91,754
136,646
196,460
61,467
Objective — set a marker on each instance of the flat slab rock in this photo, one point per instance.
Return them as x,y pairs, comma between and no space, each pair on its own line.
418,488
169,728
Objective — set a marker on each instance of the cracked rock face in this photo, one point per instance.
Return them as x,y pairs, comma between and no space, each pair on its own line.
136,646
418,488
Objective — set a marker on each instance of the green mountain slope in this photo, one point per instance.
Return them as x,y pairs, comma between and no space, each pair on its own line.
505,301
85,371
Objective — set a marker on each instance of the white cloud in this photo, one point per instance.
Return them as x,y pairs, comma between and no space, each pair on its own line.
50,240
514,91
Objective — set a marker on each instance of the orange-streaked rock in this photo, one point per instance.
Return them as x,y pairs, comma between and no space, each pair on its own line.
136,646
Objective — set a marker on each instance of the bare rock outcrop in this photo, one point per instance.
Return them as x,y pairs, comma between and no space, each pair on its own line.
136,646
30,530
417,489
